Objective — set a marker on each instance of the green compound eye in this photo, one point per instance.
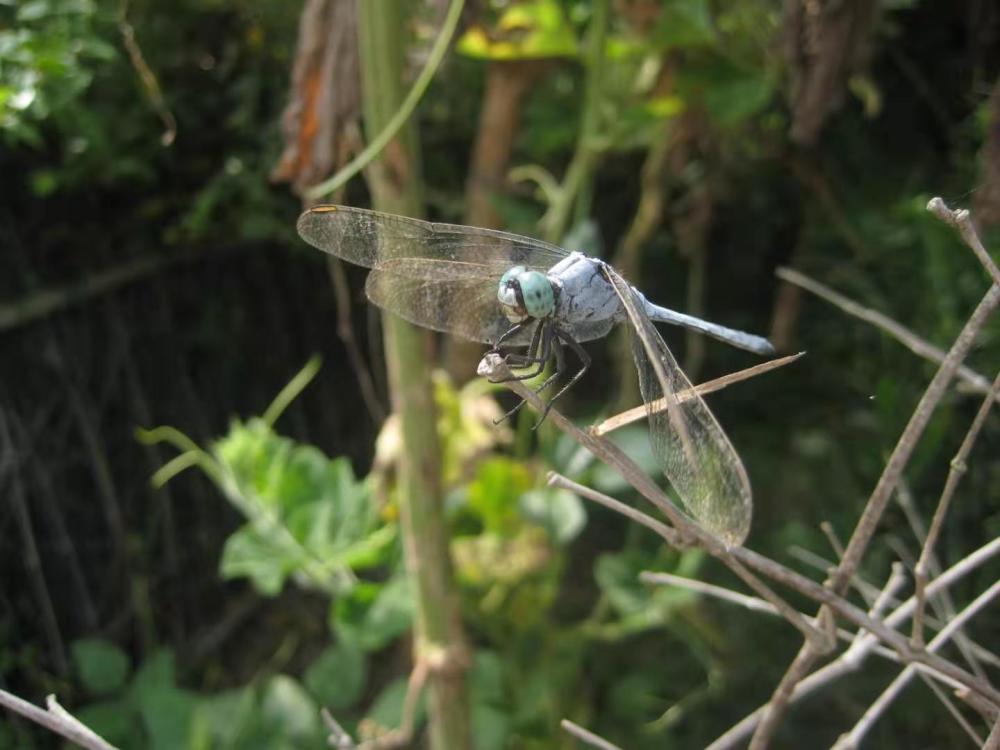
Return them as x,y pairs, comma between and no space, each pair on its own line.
510,275
536,290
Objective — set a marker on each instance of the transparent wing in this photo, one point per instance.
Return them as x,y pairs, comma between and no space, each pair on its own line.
368,238
455,297
694,452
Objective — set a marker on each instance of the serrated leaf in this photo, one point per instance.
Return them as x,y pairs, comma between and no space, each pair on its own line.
248,554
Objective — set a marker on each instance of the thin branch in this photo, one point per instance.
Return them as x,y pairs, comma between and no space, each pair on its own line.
854,657
865,723
880,630
345,332
888,593
710,386
393,126
864,530
146,76
961,220
955,472
943,606
869,591
337,736
993,741
949,704
719,592
55,719
586,736
792,615
749,602
493,367
905,336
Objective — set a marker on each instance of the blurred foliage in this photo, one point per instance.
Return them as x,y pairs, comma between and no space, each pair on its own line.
559,624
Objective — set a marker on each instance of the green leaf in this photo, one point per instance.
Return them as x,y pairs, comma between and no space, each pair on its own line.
248,554
490,727
486,678
731,93
102,666
374,615
229,713
494,493
526,30
337,678
287,705
558,511
685,23
167,714
113,720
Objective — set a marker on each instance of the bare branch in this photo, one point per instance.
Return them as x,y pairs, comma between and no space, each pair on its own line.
640,412
854,657
955,472
56,719
671,536
905,336
586,736
875,711
961,219
749,602
900,456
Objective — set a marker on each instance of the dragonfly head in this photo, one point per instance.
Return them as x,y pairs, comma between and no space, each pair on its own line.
526,294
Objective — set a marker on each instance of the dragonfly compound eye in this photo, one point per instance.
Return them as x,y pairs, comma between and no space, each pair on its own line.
509,294
536,293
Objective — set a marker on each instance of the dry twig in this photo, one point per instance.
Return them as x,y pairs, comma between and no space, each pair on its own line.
905,336
587,736
56,719
640,412
957,469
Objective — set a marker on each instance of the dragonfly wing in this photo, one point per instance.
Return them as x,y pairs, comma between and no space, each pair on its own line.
694,452
454,297
368,238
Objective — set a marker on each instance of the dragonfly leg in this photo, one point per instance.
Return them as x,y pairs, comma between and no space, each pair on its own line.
549,342
585,365
539,352
514,329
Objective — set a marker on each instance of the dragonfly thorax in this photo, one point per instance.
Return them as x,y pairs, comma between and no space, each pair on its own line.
525,294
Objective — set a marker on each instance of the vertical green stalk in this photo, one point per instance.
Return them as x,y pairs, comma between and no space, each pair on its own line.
576,193
395,182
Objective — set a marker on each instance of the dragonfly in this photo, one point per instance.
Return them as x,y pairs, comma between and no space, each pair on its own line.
503,289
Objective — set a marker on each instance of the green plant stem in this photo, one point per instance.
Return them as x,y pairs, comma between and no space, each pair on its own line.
395,186
405,110
575,193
